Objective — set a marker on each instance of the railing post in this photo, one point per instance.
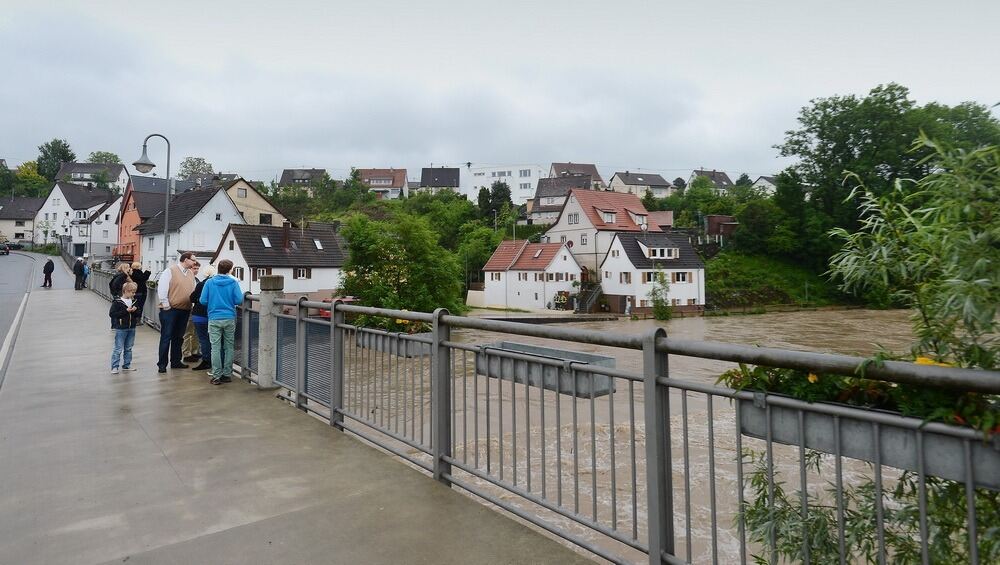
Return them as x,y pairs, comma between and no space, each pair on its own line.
245,336
659,482
337,377
300,353
441,396
267,342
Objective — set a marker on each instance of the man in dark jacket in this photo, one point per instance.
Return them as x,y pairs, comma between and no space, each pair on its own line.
199,317
47,271
140,278
78,273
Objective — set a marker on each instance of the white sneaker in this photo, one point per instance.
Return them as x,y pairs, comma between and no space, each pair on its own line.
114,371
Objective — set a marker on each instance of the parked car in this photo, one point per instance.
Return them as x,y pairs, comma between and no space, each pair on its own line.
15,246
4,250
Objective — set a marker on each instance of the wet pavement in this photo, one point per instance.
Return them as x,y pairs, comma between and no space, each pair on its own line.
149,468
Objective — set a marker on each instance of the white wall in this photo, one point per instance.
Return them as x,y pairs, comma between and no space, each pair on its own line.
105,234
589,245
476,177
532,289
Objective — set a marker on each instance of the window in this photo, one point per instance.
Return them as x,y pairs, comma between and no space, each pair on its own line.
241,193
691,301
19,223
150,243
562,239
648,276
494,276
265,219
18,235
643,303
573,218
625,278
550,276
232,245
238,272
104,234
525,172
536,296
107,216
303,273
218,216
525,186
259,272
559,277
46,215
318,245
107,249
55,202
674,302
679,277
608,217
583,239
614,252
80,214
607,274
550,201
67,214
265,241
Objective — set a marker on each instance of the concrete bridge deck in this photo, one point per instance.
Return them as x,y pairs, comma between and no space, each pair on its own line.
148,468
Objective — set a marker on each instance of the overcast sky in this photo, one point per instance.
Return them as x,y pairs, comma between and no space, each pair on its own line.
257,86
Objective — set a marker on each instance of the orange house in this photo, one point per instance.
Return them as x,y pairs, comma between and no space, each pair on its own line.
144,198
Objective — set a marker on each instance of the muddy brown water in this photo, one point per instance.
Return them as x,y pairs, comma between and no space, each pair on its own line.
587,467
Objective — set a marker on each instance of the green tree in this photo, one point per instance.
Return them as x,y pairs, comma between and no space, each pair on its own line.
27,181
399,264
659,296
483,203
934,245
447,212
194,166
758,220
104,157
477,244
51,156
744,180
499,197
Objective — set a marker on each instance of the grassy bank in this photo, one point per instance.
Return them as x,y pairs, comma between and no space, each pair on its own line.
734,281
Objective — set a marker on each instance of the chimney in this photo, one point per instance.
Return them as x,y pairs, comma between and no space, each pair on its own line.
286,228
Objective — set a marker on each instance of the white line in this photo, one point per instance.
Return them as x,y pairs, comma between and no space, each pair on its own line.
10,337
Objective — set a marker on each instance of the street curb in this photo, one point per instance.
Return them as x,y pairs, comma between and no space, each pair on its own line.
7,348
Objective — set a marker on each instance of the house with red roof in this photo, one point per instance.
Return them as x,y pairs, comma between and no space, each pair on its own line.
590,219
387,184
530,275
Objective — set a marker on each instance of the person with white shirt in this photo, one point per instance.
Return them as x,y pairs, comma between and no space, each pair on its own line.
173,290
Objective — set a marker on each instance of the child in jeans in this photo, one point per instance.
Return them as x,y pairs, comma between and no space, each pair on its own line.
124,317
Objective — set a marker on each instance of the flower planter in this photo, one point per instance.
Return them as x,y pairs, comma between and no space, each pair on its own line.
394,343
552,377
944,455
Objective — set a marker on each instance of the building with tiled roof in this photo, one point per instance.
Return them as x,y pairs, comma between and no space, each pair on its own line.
640,184
17,218
197,220
634,262
550,196
311,258
530,275
579,169
436,179
720,179
590,219
65,214
115,175
766,184
387,184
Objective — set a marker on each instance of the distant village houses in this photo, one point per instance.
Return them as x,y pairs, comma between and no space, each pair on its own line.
641,184
387,184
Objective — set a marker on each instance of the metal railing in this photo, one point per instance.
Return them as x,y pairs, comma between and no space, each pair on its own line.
100,283
640,465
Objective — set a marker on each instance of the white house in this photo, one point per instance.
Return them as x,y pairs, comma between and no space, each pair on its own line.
99,232
311,259
17,218
387,184
69,212
630,268
640,184
720,179
529,275
198,219
522,180
589,220
765,184
92,174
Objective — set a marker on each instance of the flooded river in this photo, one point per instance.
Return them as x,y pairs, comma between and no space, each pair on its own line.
584,458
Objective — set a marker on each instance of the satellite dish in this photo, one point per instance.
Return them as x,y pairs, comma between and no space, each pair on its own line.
569,244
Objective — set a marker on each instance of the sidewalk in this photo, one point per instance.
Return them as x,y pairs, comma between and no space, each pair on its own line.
148,468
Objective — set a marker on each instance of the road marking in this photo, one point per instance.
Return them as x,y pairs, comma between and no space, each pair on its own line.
6,350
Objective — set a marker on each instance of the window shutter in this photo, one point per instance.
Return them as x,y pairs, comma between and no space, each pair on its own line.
253,273
295,272
673,277
309,272
268,270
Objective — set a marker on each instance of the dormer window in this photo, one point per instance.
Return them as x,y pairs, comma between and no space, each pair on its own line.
608,217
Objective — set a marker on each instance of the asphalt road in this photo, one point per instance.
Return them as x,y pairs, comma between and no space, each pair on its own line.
16,274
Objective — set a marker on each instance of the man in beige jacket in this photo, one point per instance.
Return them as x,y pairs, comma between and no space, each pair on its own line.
174,293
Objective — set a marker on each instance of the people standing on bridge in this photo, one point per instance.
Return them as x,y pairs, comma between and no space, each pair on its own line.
222,294
86,273
199,316
173,290
121,277
140,278
47,271
190,349
78,274
124,317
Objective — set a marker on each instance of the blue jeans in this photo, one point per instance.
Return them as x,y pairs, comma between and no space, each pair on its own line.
201,329
173,324
223,336
123,348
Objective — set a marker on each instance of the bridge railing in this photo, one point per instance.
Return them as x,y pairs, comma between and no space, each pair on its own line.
636,462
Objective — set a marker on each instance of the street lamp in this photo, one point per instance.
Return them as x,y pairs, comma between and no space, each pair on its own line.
144,165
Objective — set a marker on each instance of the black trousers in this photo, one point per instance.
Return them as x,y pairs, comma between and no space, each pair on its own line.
173,324
78,284
48,280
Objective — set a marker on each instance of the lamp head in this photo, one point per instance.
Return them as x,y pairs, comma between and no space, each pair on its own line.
144,165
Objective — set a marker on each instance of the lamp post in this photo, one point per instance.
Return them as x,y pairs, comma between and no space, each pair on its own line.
144,165
90,238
